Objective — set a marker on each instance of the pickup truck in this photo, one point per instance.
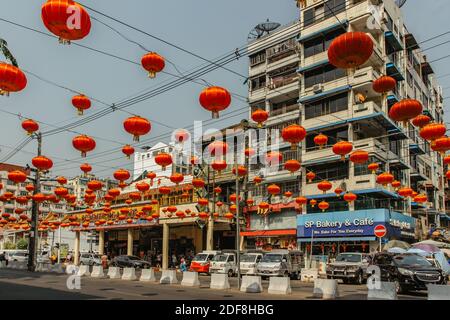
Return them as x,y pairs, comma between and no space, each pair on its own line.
350,267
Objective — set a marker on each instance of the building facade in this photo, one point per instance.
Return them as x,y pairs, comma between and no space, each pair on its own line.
342,105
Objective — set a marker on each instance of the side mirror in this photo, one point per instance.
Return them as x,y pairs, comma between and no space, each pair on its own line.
284,260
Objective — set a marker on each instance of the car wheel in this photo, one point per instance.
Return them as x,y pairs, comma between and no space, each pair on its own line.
345,280
359,278
398,288
230,273
286,274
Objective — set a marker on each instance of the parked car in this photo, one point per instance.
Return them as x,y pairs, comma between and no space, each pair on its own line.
19,256
350,267
90,259
224,263
202,261
284,263
130,262
249,261
408,271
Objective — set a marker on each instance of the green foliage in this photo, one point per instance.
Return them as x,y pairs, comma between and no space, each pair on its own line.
9,246
22,244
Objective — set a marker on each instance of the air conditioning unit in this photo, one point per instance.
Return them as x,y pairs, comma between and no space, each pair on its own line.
318,88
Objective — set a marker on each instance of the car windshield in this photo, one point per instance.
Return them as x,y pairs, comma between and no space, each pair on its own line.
248,258
200,257
133,258
220,258
348,257
271,258
21,254
412,260
96,256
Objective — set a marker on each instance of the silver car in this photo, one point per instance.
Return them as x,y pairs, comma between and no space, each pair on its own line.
281,263
90,259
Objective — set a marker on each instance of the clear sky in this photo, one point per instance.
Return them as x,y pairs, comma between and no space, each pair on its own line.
209,28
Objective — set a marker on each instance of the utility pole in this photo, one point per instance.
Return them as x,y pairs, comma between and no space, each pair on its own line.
32,246
238,226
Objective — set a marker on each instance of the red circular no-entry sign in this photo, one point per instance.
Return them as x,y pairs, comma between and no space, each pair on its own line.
380,231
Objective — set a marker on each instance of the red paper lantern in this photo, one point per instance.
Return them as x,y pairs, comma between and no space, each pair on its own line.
321,140
153,63
441,145
384,84
385,178
12,79
273,189
323,205
198,183
274,158
82,103
350,197
249,152
433,131
164,190
421,198
310,176
342,148
181,136
292,166
177,178
405,110
324,186
94,185
163,159
17,176
294,134
137,126
218,148
219,165
215,99
61,192
421,120
396,184
42,163
84,144
86,168
66,19
260,116
121,175
359,157
257,180
405,192
61,180
128,150
30,126
373,167
241,171
350,50
142,186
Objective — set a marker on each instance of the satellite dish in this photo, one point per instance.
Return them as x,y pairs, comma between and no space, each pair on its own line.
262,29
400,3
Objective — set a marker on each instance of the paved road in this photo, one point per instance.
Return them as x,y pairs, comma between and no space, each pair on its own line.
17,284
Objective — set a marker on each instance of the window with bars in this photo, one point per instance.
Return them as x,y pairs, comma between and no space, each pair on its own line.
330,171
322,75
320,44
326,106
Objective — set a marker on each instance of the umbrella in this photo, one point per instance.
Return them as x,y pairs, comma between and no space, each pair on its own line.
396,244
426,247
435,243
396,250
419,252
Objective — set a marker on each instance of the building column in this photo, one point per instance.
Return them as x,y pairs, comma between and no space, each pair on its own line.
130,242
165,247
210,234
101,242
76,250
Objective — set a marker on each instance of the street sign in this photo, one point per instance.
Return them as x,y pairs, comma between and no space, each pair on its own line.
380,231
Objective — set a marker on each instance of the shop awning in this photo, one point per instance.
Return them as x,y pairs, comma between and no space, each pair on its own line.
337,239
392,39
393,71
323,31
415,148
313,66
269,233
392,99
380,191
411,42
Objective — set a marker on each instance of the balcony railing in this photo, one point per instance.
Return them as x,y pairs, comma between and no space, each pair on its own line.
282,81
283,110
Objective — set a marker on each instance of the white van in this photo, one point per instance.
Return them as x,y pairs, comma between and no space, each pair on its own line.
249,261
224,263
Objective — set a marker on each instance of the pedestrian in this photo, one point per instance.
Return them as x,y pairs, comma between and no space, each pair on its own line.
158,262
104,260
174,261
3,258
69,258
183,266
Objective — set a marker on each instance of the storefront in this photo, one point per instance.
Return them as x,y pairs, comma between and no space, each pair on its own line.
351,231
271,230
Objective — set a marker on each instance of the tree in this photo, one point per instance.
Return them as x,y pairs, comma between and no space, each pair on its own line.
6,53
22,244
9,246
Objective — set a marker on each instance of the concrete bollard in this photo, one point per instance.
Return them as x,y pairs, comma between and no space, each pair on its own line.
12,265
97,272
129,274
148,275
280,285
309,275
2,264
386,291
114,273
251,284
190,279
326,289
21,265
83,271
168,277
438,292
219,281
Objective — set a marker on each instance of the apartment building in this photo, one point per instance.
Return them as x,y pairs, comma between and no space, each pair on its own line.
342,105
